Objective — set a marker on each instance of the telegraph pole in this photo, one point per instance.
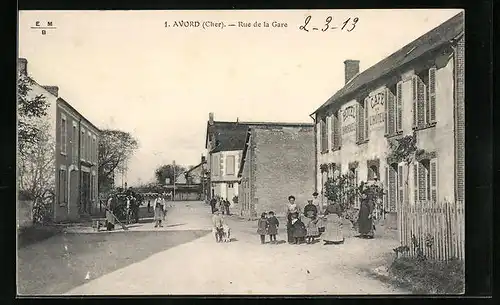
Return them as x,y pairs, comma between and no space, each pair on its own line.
173,163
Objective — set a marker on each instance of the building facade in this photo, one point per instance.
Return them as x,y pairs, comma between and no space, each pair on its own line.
76,142
277,161
224,144
417,91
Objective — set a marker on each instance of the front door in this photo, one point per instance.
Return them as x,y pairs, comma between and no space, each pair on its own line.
230,192
85,199
73,193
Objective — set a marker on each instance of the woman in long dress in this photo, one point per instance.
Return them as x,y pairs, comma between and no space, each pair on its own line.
291,209
110,220
158,214
333,225
365,219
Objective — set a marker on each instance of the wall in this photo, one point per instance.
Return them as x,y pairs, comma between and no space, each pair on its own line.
284,166
439,138
246,187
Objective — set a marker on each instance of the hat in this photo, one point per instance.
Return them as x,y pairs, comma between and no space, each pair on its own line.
315,194
290,197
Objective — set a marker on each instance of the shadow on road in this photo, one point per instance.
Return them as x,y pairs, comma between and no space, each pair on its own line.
60,263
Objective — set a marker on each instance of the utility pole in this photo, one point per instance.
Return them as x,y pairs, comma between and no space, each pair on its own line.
173,163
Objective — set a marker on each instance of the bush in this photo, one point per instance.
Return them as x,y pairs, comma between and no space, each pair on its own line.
429,276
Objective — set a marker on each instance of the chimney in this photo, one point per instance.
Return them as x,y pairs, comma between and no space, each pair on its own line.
351,69
22,66
52,89
211,118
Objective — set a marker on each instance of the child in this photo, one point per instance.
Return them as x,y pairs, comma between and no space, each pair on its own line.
312,229
298,229
262,227
273,225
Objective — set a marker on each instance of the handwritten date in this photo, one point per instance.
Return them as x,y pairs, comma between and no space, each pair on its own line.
347,25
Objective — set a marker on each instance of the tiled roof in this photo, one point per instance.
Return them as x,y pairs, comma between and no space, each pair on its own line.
231,135
433,39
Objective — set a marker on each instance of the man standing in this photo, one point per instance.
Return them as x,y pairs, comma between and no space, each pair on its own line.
213,202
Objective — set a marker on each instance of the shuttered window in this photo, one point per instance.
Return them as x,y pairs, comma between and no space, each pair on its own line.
390,108
64,129
230,165
434,180
367,137
422,181
336,137
431,101
63,190
215,165
392,187
415,182
400,185
399,107
323,135
82,144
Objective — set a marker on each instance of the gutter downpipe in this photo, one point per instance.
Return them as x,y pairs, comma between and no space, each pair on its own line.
315,153
79,165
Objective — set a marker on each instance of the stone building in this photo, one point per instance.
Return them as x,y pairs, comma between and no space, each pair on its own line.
418,90
76,141
277,161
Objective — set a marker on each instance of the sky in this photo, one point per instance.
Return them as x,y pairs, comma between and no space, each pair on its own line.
125,70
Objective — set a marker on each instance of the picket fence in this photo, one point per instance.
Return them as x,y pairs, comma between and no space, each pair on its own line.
434,230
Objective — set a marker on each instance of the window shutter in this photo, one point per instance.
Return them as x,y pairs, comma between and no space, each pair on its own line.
414,85
366,119
338,138
386,114
332,131
415,182
421,95
434,182
221,165
391,112
386,188
400,185
422,181
432,95
392,189
399,107
361,121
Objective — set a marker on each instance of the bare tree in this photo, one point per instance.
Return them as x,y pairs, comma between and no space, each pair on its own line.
36,169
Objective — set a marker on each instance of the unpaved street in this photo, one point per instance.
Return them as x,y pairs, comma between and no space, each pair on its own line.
243,266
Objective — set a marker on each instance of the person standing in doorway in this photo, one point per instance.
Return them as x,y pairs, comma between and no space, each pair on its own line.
227,204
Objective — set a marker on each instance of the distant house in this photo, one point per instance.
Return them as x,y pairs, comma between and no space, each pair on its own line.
418,90
277,161
75,181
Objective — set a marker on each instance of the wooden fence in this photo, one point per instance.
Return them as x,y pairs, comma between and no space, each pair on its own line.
434,230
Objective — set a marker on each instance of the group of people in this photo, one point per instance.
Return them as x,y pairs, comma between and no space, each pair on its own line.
221,204
132,203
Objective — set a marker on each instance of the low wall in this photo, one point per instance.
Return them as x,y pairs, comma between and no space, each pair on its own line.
25,213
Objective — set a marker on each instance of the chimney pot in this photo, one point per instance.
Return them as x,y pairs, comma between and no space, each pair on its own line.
351,69
211,118
22,66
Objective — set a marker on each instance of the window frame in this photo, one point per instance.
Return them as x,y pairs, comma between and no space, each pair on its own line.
64,135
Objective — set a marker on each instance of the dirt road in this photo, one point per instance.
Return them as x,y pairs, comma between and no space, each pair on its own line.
244,266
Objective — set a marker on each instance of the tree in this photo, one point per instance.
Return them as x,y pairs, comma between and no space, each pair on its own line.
36,169
29,110
167,171
116,147
405,150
